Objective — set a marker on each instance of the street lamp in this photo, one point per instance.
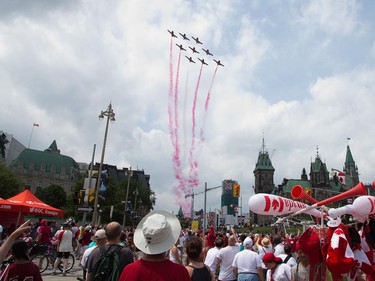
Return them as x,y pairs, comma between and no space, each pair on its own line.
129,174
110,117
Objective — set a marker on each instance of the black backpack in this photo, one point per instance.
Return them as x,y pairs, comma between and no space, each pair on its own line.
107,267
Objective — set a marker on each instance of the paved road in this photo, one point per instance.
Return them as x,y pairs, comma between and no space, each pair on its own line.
71,275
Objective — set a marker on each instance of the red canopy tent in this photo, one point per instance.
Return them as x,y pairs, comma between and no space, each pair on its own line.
6,206
28,203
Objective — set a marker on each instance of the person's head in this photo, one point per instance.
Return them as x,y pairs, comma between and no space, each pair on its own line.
287,249
276,239
248,243
302,257
157,232
265,242
232,240
193,248
113,232
19,250
99,237
270,261
219,242
243,237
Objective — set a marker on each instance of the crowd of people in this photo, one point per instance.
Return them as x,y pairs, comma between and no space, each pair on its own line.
158,249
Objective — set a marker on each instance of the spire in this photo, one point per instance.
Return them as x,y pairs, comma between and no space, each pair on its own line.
53,148
264,160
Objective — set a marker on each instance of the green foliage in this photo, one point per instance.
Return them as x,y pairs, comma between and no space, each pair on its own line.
53,195
3,142
9,182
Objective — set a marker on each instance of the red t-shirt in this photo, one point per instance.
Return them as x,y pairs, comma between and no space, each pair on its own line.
21,272
45,232
165,270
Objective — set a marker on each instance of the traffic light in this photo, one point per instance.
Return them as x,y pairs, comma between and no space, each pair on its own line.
236,190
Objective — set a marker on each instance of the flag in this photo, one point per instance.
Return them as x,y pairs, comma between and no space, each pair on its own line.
35,125
340,175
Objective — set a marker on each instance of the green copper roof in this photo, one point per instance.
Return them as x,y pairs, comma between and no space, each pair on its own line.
264,162
349,161
318,165
44,159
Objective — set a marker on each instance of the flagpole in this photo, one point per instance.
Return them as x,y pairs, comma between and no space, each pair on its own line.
32,129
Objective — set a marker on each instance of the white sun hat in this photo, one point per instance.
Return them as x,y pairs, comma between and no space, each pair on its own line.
157,232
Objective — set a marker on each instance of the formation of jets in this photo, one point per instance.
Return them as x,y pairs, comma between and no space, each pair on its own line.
181,47
190,59
194,50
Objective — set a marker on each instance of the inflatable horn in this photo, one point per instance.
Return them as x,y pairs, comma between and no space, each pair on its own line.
358,190
361,208
268,204
298,193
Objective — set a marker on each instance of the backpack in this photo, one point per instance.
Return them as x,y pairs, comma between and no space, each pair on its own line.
107,267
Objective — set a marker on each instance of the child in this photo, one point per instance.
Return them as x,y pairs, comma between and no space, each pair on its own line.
22,268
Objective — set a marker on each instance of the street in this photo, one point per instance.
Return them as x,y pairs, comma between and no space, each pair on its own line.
75,272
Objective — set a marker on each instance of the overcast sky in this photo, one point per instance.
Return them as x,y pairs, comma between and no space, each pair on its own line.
301,74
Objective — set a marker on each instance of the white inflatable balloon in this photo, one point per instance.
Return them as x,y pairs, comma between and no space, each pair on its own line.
268,204
362,207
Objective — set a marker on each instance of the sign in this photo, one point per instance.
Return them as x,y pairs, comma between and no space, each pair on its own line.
84,209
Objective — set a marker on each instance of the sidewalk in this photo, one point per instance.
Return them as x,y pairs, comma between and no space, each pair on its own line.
70,276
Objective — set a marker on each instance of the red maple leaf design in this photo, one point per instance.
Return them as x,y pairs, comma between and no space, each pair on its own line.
275,204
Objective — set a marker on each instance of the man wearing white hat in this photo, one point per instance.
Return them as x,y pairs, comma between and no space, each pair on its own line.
154,236
247,264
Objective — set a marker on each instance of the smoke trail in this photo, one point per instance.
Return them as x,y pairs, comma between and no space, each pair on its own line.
193,164
170,96
184,119
206,107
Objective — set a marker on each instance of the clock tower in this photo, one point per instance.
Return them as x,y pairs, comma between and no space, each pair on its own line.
263,174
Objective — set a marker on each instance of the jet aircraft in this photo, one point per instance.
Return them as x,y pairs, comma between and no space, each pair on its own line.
181,47
202,61
184,36
196,40
172,33
218,62
207,52
190,59
194,50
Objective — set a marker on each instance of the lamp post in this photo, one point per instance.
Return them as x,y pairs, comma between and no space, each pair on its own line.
130,174
110,116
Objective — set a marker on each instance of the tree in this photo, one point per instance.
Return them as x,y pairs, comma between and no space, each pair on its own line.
3,142
9,182
53,195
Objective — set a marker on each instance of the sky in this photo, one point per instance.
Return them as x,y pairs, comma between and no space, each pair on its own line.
298,74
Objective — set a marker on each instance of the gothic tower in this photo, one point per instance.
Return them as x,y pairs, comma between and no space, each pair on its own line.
350,169
319,175
263,174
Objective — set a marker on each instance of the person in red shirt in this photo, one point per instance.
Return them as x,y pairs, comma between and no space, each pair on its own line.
22,268
43,237
155,235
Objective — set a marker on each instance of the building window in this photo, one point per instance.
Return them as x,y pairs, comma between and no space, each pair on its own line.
39,185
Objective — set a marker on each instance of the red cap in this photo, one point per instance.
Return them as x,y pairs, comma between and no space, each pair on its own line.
270,257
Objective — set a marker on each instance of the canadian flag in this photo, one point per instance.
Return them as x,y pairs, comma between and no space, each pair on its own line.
340,257
363,264
340,175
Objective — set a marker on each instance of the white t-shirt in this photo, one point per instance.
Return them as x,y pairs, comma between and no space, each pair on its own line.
291,261
283,272
86,255
66,241
262,251
247,261
279,249
226,256
210,259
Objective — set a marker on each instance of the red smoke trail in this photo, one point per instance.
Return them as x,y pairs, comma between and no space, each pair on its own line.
206,106
193,181
170,116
